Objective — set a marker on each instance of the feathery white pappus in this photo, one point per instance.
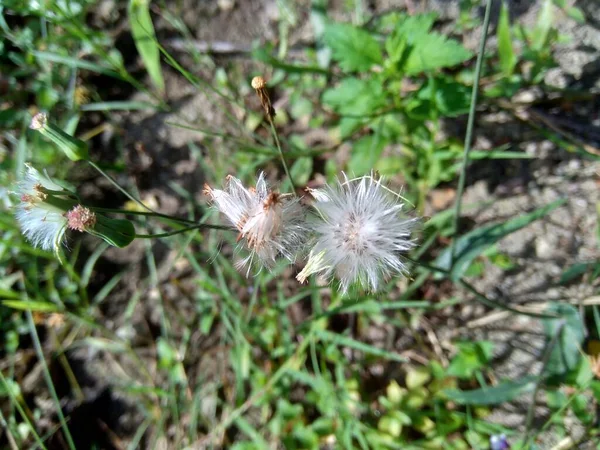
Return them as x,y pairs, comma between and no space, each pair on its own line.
43,224
272,225
360,235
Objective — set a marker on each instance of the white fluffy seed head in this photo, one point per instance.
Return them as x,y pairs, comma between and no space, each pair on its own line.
43,223
361,233
271,225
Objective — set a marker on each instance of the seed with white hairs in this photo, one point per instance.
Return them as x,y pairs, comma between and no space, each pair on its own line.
271,225
361,233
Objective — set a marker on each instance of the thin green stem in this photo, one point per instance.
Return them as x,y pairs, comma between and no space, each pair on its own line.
283,163
142,213
496,305
10,392
470,125
40,354
115,184
479,296
183,230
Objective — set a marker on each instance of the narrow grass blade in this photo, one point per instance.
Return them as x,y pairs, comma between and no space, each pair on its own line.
346,341
144,36
495,395
474,243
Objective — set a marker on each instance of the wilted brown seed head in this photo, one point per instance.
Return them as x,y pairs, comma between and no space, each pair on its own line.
207,190
272,199
258,83
81,218
38,121
55,320
260,86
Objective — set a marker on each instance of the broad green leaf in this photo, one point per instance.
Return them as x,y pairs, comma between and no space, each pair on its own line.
414,48
475,242
434,51
440,95
144,37
406,27
355,98
508,59
566,351
354,48
494,395
365,154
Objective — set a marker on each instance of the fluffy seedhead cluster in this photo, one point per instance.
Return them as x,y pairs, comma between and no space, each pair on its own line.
357,233
361,233
46,210
271,224
43,222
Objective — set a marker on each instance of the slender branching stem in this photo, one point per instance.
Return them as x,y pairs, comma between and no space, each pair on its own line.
183,230
283,162
143,213
115,184
470,125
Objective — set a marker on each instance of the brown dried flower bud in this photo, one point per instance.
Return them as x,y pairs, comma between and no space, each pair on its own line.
81,218
258,83
260,86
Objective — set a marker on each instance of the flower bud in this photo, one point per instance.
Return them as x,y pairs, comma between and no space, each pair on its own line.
74,148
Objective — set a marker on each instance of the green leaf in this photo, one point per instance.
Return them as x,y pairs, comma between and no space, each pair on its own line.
356,98
346,341
471,356
365,154
118,106
508,59
117,232
578,269
566,352
25,305
354,48
576,14
495,395
475,242
415,49
407,26
76,62
442,95
301,170
144,37
543,26
434,51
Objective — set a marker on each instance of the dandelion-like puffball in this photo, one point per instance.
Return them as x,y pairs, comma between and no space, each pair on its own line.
42,221
271,224
360,235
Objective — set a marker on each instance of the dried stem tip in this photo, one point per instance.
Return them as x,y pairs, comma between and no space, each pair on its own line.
260,86
38,121
258,83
